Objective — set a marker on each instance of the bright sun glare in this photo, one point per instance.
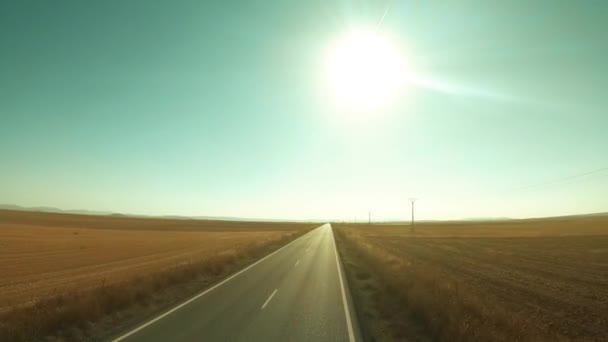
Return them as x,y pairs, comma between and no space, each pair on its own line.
366,72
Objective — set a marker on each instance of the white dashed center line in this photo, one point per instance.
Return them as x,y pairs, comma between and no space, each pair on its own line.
269,298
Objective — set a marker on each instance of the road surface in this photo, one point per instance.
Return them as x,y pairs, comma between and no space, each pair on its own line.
297,293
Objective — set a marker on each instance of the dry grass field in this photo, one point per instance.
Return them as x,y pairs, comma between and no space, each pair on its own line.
523,280
47,260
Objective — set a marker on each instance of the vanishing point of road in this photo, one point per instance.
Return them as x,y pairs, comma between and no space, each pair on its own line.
297,293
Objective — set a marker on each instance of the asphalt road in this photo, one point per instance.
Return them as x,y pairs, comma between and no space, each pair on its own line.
298,293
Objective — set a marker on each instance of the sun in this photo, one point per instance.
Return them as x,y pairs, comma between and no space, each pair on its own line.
366,72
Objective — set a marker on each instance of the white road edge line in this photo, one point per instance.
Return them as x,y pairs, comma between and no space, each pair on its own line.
269,298
122,337
349,324
297,262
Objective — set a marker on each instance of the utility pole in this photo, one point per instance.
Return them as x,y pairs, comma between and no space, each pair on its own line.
369,217
412,200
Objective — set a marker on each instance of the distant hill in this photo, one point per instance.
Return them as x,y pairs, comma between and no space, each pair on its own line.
173,217
597,214
487,219
592,215
233,218
55,210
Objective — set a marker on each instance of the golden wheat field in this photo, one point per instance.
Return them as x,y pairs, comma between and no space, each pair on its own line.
44,254
520,280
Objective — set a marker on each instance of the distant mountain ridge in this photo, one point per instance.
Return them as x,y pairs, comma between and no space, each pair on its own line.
232,218
174,217
54,210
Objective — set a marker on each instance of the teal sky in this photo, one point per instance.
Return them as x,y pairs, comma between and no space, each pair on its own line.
221,109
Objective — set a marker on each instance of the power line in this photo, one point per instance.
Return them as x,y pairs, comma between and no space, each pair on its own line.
562,179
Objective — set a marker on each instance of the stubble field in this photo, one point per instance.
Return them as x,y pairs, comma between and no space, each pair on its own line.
47,260
526,280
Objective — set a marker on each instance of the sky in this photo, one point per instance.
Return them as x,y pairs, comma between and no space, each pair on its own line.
223,109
